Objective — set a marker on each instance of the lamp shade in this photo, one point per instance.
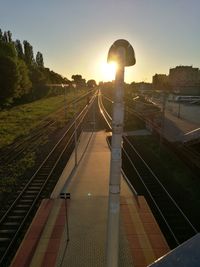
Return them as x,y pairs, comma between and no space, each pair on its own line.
129,52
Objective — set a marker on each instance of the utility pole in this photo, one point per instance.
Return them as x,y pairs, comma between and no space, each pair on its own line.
123,54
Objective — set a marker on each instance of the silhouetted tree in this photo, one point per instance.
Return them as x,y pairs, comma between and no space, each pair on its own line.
5,38
28,53
38,80
1,36
78,80
24,83
9,37
7,49
9,78
91,83
39,60
19,49
22,76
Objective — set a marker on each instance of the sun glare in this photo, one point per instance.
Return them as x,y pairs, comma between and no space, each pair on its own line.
108,71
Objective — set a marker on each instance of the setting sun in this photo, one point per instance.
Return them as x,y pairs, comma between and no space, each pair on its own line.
108,71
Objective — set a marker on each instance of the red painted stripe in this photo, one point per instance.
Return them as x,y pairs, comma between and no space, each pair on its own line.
52,251
26,250
136,251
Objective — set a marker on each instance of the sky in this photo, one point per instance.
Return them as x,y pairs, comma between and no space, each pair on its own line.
74,36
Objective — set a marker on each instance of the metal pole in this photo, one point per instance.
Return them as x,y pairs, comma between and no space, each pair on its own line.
179,110
75,129
162,130
115,165
94,116
65,98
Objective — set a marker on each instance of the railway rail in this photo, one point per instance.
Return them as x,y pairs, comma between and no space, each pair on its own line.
21,210
189,154
175,225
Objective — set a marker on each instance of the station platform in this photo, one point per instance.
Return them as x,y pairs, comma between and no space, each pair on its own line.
175,128
72,232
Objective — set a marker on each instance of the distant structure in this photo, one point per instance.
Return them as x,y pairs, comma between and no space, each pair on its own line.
160,82
185,80
182,80
141,87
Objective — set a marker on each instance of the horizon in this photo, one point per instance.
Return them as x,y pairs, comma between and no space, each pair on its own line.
74,38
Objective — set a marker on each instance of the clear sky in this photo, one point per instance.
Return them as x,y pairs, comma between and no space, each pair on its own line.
74,36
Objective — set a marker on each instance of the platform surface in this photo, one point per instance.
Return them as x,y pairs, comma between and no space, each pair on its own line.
141,241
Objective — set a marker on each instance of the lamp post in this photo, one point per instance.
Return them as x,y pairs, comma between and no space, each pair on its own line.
75,125
123,54
65,99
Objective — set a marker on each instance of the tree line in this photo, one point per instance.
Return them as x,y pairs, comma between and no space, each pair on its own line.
23,77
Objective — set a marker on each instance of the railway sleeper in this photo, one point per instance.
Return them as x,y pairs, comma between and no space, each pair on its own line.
26,201
45,168
43,175
14,218
10,225
22,206
35,187
37,180
19,211
4,241
31,192
7,232
28,197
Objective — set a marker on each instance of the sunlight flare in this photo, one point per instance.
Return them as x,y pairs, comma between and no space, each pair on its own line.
108,71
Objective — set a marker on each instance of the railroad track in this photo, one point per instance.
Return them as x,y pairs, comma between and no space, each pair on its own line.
175,225
20,212
187,153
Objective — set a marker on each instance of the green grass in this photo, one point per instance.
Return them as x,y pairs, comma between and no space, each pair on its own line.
10,176
20,120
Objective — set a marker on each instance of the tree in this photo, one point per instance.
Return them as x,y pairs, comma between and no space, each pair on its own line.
91,83
1,36
9,37
79,81
28,53
19,49
24,83
39,60
77,78
38,80
7,49
9,79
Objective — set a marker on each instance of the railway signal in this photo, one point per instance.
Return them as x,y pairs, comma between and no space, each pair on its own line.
123,54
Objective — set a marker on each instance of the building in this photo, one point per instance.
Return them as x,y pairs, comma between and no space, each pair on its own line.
160,82
185,80
141,87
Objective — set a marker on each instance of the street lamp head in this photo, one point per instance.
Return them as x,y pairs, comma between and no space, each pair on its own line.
113,54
